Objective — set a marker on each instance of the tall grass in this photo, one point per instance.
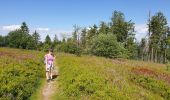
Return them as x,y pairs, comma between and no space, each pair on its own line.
97,78
85,77
20,73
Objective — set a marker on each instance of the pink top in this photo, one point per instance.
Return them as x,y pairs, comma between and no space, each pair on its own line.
49,59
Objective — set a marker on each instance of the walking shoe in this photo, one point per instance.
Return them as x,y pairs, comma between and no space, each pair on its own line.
48,80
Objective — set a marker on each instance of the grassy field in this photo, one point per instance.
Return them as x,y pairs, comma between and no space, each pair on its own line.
97,78
21,72
82,78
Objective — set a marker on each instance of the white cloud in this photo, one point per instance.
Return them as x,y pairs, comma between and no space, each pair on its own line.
42,29
141,28
59,32
10,27
141,31
88,28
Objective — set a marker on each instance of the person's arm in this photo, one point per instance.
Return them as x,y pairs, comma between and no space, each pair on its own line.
54,57
54,60
45,61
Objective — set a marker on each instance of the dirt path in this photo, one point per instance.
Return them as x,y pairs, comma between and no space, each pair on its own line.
50,87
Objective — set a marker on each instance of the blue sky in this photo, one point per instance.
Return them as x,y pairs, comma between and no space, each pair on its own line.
59,16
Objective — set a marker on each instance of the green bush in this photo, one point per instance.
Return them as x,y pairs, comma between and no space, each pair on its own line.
157,86
20,75
46,47
69,47
107,46
82,79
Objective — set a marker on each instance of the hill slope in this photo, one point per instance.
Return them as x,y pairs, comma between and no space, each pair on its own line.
20,73
90,77
85,77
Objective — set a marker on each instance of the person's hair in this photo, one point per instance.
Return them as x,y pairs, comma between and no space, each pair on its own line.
52,54
50,50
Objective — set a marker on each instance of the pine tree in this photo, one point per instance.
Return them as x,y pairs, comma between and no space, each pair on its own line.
76,39
83,37
120,27
104,28
24,28
142,48
55,41
158,28
36,39
76,33
48,40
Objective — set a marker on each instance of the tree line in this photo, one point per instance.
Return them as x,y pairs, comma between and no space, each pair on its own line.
21,38
155,47
113,39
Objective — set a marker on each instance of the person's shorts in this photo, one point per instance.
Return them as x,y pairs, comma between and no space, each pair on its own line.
49,67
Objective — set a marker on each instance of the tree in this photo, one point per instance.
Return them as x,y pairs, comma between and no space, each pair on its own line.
36,39
48,40
75,33
107,46
131,45
168,45
25,36
158,28
142,48
31,43
120,27
24,28
91,33
46,47
55,41
94,30
76,39
83,37
47,43
15,38
19,38
3,41
132,48
64,37
104,28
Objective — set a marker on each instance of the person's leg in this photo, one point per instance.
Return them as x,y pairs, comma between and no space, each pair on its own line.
51,74
47,72
47,75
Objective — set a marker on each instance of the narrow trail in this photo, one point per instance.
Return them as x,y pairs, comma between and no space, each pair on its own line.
50,87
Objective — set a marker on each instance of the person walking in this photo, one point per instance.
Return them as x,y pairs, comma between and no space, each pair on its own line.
49,64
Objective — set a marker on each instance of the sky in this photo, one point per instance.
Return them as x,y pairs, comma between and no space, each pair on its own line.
58,16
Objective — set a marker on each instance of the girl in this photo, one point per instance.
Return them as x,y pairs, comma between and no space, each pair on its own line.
49,62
